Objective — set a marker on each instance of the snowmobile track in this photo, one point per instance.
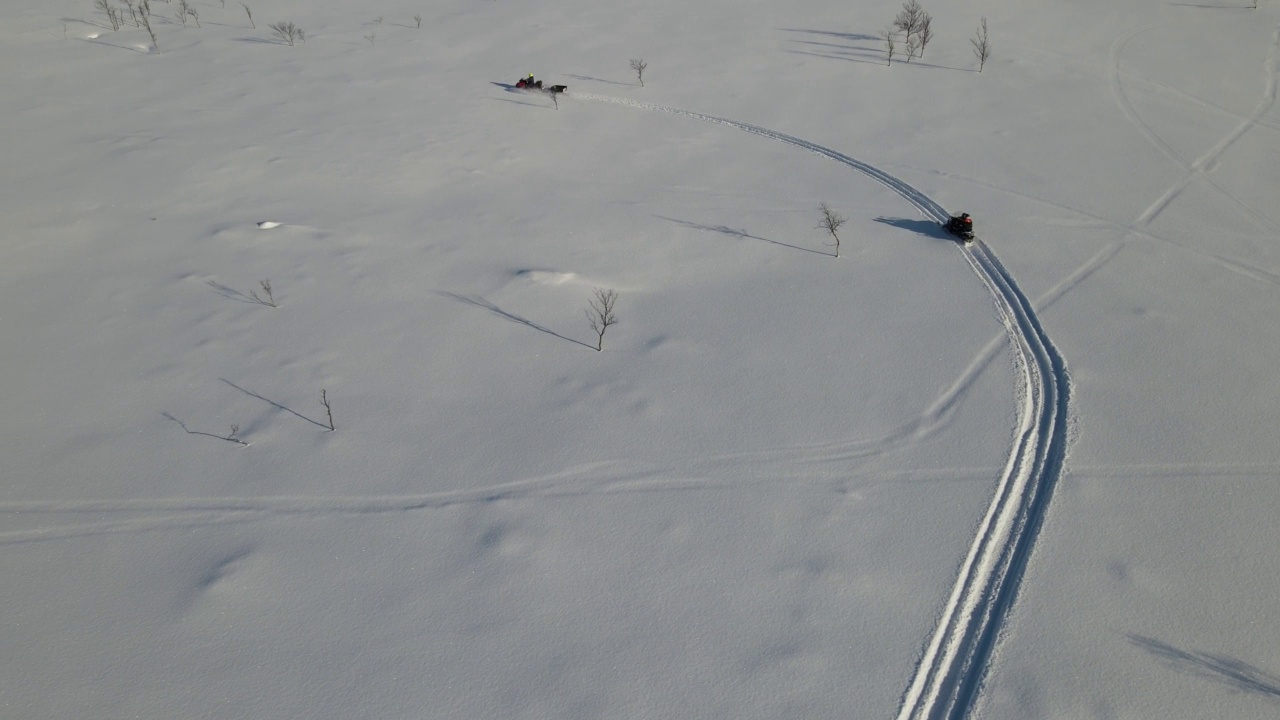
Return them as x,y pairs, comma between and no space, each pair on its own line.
954,662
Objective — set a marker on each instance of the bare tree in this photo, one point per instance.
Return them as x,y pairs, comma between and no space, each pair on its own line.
926,32
418,20
981,45
249,12
890,37
831,222
195,14
324,400
286,31
909,19
133,12
913,46
638,66
370,37
601,314
183,11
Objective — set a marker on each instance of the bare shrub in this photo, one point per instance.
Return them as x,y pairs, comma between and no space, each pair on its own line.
249,12
370,37
418,19
600,313
286,31
981,44
638,66
231,436
266,291
831,222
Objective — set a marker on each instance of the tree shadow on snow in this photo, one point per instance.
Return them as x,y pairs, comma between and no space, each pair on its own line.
1236,674
928,228
848,37
601,80
734,232
477,301
273,403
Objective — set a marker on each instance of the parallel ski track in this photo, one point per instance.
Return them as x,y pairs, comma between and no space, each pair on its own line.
954,662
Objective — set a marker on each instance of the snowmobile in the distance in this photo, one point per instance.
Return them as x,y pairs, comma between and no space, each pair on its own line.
961,226
530,84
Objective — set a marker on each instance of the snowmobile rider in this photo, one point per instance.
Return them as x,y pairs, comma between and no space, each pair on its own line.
962,222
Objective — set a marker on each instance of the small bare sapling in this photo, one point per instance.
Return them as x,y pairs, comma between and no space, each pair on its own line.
183,11
267,298
286,31
890,37
600,314
831,222
249,12
926,32
370,38
638,66
418,19
913,46
981,45
231,436
324,400
195,15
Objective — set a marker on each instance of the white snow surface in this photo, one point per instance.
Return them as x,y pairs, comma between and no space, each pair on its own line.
1031,478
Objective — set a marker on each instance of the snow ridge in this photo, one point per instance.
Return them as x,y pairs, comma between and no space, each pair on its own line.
954,663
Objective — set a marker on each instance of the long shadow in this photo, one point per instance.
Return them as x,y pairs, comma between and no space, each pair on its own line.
275,404
734,232
264,41
122,47
232,294
851,37
928,228
829,56
1234,673
601,80
189,431
840,48
477,301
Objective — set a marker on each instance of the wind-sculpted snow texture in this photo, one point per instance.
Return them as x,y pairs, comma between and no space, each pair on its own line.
955,659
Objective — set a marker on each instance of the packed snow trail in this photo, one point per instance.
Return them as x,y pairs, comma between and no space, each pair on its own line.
955,659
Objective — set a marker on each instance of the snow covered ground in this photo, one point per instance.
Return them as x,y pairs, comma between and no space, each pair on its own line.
1035,478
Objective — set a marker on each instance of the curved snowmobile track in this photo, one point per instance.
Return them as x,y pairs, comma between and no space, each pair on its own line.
954,662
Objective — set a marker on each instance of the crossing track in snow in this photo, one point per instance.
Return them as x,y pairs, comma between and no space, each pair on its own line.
954,662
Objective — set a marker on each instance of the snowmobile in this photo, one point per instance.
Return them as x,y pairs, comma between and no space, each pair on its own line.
530,84
961,226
